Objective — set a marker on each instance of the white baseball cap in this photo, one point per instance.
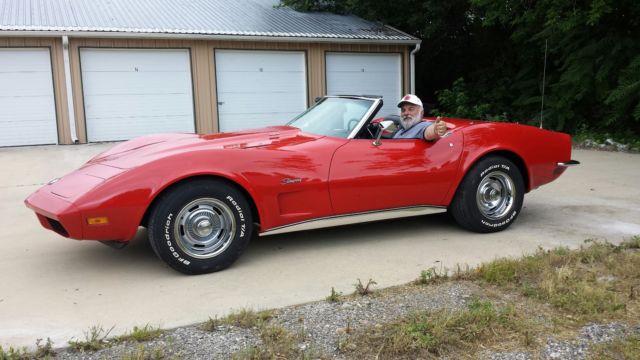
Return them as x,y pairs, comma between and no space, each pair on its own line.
411,99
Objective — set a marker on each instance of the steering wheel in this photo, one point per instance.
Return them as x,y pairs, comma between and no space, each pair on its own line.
372,127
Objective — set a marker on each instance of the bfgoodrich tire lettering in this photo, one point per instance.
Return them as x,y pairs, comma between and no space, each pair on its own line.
200,226
490,196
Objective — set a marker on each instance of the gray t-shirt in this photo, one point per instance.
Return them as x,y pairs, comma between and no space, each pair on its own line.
414,132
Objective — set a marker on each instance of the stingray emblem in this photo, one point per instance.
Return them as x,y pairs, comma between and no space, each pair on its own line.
287,181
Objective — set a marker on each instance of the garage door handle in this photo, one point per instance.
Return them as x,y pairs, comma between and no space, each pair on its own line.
220,102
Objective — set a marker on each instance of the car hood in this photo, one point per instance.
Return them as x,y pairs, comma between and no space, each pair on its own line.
145,149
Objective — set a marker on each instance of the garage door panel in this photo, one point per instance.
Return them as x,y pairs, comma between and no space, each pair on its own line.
22,84
272,103
367,63
130,93
23,109
254,61
138,105
27,104
244,121
262,82
22,133
354,81
25,60
366,74
135,83
135,125
259,88
131,60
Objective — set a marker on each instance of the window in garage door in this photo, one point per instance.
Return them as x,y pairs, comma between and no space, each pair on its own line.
366,74
259,88
134,92
28,112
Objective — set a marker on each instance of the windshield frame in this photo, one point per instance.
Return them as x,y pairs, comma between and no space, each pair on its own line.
376,105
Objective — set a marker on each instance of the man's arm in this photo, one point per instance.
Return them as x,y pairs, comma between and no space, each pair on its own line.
436,130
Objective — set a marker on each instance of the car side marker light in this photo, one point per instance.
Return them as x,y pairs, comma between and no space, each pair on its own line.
98,220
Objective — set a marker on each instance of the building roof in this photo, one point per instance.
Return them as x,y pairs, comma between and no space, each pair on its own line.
187,18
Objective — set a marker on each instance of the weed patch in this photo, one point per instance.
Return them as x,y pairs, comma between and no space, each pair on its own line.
432,276
142,353
245,318
277,343
94,339
597,279
364,290
434,333
628,348
334,296
140,334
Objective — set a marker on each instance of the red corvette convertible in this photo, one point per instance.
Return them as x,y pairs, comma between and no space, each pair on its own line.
202,197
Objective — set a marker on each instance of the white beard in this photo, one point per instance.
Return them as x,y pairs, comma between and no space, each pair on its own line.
408,121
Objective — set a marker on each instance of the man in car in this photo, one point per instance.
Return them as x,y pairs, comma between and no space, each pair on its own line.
412,126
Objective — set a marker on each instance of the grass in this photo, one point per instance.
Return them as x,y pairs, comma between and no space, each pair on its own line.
628,348
94,339
364,290
334,296
550,291
432,276
142,353
599,279
245,318
436,333
13,353
140,334
277,343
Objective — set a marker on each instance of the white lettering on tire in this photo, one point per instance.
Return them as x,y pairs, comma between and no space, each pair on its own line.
500,224
167,236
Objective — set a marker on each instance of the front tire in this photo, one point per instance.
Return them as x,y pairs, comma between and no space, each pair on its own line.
200,226
490,196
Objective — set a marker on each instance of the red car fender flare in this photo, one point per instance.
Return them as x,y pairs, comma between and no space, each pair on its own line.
471,157
236,180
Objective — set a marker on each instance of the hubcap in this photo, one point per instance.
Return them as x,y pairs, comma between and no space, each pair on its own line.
495,195
204,228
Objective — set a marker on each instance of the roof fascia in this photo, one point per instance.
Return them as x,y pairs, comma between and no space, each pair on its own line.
119,34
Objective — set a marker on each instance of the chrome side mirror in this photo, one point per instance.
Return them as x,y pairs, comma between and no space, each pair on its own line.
386,126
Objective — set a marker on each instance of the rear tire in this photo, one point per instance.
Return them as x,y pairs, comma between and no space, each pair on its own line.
490,196
200,226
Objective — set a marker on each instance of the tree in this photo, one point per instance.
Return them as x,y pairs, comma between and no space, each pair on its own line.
485,58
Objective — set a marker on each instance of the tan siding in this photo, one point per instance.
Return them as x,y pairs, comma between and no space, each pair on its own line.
76,86
203,70
202,88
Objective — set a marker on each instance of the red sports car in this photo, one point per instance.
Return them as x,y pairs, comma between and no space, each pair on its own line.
202,197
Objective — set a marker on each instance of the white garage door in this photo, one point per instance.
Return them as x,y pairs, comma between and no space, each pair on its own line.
259,88
27,106
366,74
129,93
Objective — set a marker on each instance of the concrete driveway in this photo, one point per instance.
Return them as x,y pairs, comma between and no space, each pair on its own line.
58,288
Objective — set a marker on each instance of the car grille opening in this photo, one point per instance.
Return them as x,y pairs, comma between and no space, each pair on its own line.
57,227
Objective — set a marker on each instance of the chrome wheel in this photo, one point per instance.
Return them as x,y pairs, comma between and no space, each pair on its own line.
204,228
495,195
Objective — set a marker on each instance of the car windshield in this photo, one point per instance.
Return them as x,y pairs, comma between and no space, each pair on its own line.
332,116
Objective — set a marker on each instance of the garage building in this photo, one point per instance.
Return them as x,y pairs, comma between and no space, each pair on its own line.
79,71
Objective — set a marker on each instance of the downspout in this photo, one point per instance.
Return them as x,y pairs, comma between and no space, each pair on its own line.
413,68
67,80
